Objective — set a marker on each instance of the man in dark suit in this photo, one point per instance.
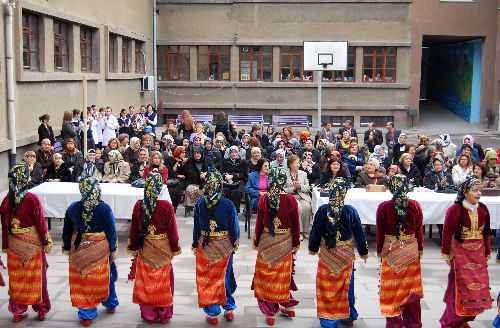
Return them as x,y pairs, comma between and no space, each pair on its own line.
372,128
348,127
391,137
327,132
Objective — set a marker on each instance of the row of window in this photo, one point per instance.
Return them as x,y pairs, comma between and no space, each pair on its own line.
31,24
256,64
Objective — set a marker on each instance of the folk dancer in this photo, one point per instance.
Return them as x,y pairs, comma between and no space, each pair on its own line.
26,240
400,236
465,247
154,241
277,233
216,236
89,238
335,225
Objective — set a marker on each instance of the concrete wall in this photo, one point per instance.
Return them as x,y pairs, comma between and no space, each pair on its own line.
51,91
285,23
469,19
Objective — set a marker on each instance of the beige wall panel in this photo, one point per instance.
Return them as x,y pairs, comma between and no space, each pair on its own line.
3,90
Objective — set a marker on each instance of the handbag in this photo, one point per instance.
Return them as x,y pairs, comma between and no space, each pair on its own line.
173,182
139,183
448,189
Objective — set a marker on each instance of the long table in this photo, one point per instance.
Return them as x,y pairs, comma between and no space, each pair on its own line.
121,197
434,205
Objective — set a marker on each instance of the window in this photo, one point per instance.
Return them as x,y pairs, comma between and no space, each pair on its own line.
86,48
256,63
378,120
292,65
30,41
139,57
348,75
173,63
213,63
126,55
61,48
337,120
112,52
379,64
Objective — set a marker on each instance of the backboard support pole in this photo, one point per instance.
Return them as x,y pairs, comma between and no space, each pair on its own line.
320,79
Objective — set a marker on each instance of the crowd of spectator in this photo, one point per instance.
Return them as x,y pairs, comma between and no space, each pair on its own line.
126,149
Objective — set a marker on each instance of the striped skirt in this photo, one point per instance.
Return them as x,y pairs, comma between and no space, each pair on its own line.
25,279
332,292
272,283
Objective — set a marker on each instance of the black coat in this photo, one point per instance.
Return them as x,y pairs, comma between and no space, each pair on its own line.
316,154
45,133
63,173
36,175
193,173
414,174
431,179
238,170
315,174
213,158
378,133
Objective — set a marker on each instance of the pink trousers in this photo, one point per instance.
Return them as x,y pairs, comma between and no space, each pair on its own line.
450,317
410,315
153,313
270,309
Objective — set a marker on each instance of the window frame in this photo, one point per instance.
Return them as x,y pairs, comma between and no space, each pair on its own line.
126,44
351,53
30,34
379,120
112,40
168,53
86,43
262,57
60,39
219,55
374,67
140,65
291,54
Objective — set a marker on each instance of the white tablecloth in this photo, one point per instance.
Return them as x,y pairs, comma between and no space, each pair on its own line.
121,197
434,205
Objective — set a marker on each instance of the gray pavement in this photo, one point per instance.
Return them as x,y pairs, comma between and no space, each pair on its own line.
187,313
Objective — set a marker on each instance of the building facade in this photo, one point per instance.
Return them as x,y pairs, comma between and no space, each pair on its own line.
245,57
56,43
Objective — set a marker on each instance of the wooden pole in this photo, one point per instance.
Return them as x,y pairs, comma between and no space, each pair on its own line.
85,115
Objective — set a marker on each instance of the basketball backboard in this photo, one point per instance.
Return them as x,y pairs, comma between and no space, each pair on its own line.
325,55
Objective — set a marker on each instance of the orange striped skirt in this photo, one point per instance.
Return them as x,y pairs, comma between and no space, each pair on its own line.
332,292
87,291
25,282
396,288
272,284
152,286
210,279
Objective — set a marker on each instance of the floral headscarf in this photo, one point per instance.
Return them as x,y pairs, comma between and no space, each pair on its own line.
213,188
19,177
398,186
152,189
117,158
338,191
276,183
91,195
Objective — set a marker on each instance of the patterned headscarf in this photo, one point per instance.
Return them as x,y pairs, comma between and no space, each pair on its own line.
91,195
338,191
152,189
469,184
117,158
19,177
276,183
89,167
398,186
213,193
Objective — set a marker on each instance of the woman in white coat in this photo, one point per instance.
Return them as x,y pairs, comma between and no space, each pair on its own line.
298,185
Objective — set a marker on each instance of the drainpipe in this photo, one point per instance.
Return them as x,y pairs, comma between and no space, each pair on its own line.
155,17
9,65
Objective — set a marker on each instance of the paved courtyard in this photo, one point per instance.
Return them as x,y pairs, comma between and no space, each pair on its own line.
187,313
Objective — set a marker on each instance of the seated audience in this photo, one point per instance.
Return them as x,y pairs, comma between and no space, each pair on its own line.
492,168
44,155
256,185
137,167
437,176
371,175
116,170
90,167
334,168
473,147
298,186
479,172
399,148
213,158
113,144
311,168
252,162
36,174
131,154
58,171
196,174
156,165
71,155
235,173
280,160
410,170
354,160
462,169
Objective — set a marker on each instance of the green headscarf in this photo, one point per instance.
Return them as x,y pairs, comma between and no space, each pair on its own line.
213,188
398,186
19,177
276,183
91,195
152,189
